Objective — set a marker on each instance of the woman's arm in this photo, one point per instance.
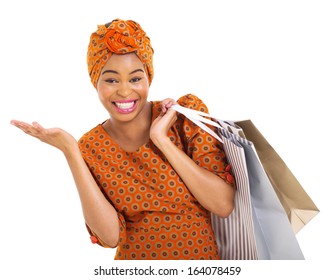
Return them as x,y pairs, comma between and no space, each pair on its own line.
212,192
99,214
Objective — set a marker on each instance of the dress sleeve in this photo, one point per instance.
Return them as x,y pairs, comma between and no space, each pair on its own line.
205,150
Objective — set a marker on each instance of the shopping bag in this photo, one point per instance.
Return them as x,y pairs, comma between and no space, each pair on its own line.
296,202
235,235
258,227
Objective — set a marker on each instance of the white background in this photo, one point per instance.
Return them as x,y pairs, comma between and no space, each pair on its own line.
270,61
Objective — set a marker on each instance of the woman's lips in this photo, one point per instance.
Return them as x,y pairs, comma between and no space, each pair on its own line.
125,106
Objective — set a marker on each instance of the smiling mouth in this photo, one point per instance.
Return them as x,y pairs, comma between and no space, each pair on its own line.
125,107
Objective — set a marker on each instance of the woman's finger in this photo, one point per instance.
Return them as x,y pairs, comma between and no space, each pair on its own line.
18,123
37,126
21,125
166,104
32,130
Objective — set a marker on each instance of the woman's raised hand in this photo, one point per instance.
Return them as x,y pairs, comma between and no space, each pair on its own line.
55,137
164,122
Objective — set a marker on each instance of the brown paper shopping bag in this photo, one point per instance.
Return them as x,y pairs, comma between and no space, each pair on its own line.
296,202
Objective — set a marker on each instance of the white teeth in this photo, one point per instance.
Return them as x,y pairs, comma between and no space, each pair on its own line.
124,105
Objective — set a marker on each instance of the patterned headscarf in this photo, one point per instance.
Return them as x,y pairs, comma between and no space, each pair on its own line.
119,37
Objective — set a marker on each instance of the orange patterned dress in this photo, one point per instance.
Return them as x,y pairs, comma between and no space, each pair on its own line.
159,218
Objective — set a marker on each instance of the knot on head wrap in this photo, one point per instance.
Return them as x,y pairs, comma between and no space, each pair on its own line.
119,37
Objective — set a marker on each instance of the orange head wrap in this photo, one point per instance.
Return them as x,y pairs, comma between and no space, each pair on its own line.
119,37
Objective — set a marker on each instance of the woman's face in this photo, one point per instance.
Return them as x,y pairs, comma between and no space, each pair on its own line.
123,87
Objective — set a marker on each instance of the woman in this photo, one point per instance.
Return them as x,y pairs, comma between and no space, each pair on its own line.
147,178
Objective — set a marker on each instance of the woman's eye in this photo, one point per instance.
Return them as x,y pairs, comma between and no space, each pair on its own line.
111,81
134,80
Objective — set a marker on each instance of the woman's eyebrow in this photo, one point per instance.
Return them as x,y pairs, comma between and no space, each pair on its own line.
137,70
115,72
110,71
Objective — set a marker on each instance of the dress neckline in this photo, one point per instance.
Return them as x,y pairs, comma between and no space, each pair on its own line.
146,145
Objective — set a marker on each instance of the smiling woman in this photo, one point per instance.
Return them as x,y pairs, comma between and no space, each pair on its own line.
148,178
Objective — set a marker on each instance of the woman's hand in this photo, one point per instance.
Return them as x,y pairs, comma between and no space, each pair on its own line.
55,137
164,122
212,192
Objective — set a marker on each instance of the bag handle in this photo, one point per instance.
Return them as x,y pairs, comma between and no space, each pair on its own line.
196,118
194,114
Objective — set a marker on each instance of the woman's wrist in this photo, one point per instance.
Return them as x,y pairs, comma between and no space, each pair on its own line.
71,150
160,141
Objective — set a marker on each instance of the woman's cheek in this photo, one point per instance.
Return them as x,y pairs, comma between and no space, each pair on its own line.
104,91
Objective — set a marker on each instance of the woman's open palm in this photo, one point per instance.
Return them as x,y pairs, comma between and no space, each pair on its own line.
56,137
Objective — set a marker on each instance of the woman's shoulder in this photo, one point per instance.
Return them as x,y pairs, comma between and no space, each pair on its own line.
191,101
91,135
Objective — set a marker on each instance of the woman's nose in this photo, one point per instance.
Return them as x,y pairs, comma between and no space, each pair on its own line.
124,90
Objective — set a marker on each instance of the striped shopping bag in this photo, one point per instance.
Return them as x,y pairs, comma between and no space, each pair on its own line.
235,235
